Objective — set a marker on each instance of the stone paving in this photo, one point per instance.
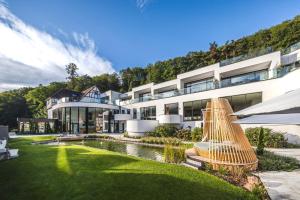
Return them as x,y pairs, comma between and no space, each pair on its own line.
283,185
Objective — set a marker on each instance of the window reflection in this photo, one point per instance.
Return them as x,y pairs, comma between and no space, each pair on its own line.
171,109
245,78
148,113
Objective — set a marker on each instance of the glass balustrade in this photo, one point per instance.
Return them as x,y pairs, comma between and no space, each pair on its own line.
230,81
240,58
292,48
245,78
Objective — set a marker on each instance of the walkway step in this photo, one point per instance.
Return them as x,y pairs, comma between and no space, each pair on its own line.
190,166
196,163
193,164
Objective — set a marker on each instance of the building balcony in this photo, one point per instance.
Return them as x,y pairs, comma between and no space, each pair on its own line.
246,56
245,78
169,119
84,100
122,117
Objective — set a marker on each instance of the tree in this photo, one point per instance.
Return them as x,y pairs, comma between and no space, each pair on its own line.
214,53
82,82
260,142
36,98
13,105
71,70
106,82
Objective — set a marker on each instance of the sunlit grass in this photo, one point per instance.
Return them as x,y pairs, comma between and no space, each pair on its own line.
62,161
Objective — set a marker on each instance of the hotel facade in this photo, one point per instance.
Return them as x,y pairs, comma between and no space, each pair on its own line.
245,81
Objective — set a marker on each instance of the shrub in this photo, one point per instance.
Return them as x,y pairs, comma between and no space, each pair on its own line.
197,134
163,131
207,167
259,192
173,154
223,171
260,143
184,134
169,154
271,162
271,138
161,140
238,174
98,137
125,134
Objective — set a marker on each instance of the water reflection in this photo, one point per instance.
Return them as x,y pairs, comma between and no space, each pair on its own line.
147,152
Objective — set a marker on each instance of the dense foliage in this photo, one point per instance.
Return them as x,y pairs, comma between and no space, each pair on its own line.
13,105
30,102
163,131
161,140
277,37
270,138
174,155
271,162
197,134
260,142
184,134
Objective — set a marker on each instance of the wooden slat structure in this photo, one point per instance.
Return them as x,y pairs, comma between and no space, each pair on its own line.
224,143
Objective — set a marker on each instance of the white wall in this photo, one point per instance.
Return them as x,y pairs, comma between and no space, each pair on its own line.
140,127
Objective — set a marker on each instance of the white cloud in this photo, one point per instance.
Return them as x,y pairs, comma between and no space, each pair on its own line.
29,56
141,4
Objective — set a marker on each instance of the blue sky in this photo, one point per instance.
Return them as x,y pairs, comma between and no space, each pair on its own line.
127,33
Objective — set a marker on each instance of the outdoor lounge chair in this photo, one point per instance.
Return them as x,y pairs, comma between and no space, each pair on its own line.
10,153
13,153
3,144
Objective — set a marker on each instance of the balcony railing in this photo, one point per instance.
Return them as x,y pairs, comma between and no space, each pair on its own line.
245,78
246,56
92,100
210,85
292,48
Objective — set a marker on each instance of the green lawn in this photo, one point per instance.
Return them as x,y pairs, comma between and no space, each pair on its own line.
78,172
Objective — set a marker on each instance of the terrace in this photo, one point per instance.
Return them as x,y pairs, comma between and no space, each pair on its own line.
235,80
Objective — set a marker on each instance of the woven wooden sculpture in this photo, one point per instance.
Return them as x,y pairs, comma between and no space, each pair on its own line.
224,142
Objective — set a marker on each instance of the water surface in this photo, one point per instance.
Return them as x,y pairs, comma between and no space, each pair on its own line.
138,150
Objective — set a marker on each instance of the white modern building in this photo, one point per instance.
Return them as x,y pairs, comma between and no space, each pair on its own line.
244,81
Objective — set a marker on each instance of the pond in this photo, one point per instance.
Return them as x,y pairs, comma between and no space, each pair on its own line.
138,150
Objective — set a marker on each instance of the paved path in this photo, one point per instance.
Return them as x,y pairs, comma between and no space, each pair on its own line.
283,185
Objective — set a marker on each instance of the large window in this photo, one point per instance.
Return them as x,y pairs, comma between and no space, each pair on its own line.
91,120
134,113
239,102
82,120
148,113
144,96
192,110
171,109
198,86
245,78
74,120
99,119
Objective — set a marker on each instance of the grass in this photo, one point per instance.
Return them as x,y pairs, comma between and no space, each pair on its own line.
161,140
80,172
271,162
